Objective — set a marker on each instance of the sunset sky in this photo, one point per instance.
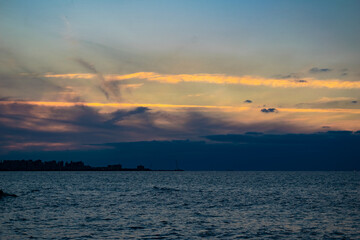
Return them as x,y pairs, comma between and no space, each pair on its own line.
76,75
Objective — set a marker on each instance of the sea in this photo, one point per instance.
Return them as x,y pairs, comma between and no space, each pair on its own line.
180,205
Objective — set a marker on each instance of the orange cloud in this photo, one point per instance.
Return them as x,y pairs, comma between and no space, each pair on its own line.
131,86
173,106
71,76
218,79
320,110
121,105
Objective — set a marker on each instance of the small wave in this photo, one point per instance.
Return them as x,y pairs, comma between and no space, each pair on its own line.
136,227
166,189
207,233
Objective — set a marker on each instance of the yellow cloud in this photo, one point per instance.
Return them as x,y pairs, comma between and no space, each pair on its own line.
121,105
71,76
320,110
173,106
131,86
218,79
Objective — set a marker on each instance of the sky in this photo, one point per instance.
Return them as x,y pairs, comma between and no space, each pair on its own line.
88,76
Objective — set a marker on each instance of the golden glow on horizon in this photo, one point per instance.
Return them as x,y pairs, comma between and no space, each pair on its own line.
120,105
50,146
172,106
218,79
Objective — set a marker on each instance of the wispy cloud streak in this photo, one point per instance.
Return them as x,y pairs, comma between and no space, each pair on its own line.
218,79
175,106
107,88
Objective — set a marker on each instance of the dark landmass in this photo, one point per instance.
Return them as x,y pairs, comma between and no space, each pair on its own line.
4,194
251,151
38,165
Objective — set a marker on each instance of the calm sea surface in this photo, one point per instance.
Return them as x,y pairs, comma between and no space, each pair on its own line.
180,205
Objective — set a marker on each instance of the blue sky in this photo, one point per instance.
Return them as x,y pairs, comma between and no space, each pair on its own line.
164,70
285,36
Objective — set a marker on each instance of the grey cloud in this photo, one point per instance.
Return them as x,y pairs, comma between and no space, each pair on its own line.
21,123
5,99
331,103
79,125
319,70
314,138
26,86
269,110
344,72
254,133
109,89
121,114
290,75
86,65
248,101
19,79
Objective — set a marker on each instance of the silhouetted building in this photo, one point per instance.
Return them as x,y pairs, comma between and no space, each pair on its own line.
116,167
38,165
76,166
140,168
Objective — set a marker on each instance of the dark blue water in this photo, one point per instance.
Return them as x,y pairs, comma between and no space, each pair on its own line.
180,205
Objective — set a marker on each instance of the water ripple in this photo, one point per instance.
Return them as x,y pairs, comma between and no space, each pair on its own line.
180,205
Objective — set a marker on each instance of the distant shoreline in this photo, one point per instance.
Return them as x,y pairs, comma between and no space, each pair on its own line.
129,170
132,170
53,166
